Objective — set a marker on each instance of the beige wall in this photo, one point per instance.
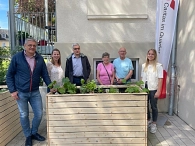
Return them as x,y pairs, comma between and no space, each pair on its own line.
4,41
185,100
99,34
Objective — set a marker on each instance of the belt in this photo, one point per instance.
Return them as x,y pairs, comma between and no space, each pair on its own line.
77,76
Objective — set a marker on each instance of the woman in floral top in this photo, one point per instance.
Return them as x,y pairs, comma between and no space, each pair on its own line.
54,68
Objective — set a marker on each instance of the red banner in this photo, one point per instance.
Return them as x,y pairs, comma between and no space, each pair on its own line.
165,28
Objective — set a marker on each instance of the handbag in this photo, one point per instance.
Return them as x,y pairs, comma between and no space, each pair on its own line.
107,72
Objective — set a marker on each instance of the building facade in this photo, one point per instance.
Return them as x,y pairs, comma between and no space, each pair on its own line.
105,26
4,38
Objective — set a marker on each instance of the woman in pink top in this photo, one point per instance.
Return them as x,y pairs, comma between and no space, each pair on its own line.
105,70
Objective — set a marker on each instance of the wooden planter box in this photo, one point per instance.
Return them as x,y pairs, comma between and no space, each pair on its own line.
9,118
104,119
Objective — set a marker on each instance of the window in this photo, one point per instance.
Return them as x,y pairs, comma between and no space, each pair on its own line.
3,35
135,62
3,44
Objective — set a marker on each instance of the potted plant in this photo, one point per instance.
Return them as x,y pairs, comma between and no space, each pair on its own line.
21,36
66,88
136,88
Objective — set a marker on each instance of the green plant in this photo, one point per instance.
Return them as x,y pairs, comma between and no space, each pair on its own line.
4,63
66,88
3,90
98,90
21,36
88,87
16,50
136,88
113,90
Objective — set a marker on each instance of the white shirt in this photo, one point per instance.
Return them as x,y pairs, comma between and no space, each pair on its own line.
152,76
56,73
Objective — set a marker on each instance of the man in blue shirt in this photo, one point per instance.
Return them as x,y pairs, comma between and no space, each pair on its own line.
123,67
77,66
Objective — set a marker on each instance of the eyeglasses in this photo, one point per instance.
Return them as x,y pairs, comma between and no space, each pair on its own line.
122,51
32,46
76,48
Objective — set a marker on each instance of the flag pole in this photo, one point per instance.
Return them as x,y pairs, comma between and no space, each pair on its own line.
173,69
11,20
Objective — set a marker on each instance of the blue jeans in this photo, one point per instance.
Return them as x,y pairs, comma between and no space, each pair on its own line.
35,100
153,103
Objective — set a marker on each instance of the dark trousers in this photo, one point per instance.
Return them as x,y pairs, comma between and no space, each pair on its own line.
77,80
153,103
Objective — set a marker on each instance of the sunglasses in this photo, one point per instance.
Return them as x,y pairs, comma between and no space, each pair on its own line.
76,48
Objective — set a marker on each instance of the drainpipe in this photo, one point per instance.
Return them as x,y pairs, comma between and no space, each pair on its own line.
11,18
173,69
46,12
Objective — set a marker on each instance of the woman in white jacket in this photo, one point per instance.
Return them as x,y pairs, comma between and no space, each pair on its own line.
152,76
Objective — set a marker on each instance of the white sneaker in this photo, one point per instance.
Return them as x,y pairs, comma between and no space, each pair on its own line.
149,123
153,128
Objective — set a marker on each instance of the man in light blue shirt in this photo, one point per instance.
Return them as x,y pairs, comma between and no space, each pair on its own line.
123,67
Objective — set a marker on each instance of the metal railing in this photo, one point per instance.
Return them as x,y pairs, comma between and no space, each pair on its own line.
35,25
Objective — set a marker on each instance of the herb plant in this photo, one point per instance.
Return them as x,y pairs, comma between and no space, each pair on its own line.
136,88
66,88
88,87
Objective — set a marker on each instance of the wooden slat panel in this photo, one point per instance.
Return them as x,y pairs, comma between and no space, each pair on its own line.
97,119
96,144
4,95
11,130
96,122
9,127
7,111
97,116
8,116
7,106
132,104
6,100
97,134
99,140
6,126
11,135
96,128
114,110
95,97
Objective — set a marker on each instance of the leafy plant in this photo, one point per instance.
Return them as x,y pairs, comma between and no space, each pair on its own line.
136,88
21,36
16,50
4,63
88,87
66,88
98,90
113,90
3,90
52,84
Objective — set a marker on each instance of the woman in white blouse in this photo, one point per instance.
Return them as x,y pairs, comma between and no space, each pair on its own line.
54,68
152,76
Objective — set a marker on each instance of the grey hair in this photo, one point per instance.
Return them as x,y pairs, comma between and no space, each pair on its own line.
105,54
75,44
30,39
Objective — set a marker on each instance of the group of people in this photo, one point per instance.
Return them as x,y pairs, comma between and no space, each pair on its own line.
27,67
